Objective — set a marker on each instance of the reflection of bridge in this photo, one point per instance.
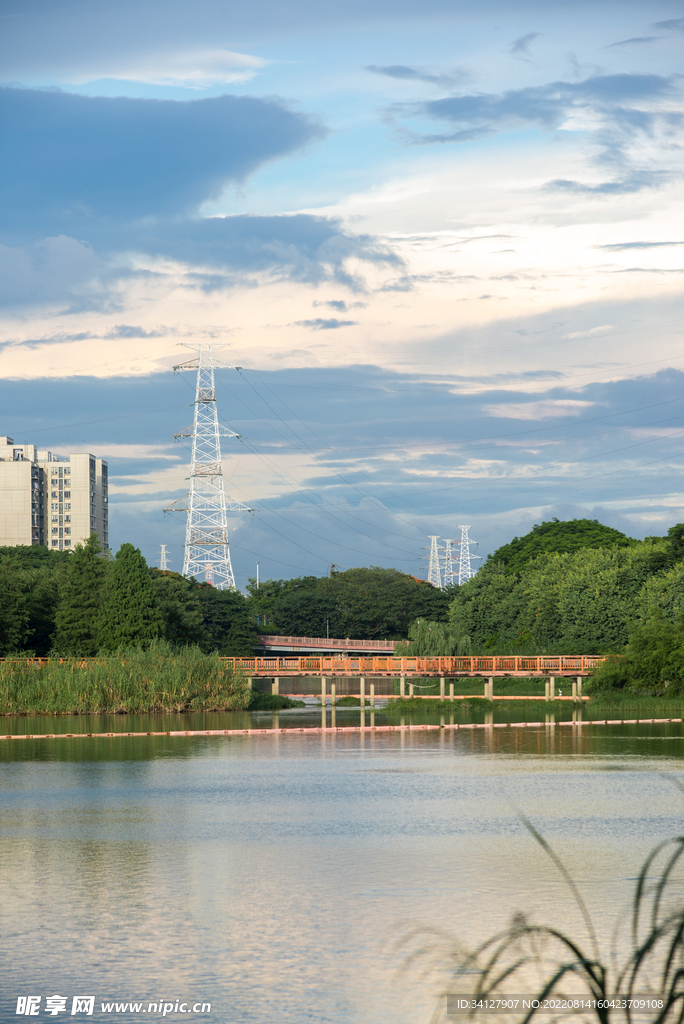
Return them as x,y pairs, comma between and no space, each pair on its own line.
382,672
317,644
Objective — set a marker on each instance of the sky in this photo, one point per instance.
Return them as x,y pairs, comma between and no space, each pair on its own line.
441,243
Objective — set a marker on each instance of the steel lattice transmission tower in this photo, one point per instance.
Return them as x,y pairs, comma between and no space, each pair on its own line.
465,569
207,555
449,576
434,575
164,560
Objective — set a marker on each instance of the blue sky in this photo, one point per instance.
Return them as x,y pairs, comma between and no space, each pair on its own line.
443,240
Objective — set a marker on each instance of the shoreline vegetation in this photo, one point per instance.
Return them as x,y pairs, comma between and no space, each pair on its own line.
123,638
157,679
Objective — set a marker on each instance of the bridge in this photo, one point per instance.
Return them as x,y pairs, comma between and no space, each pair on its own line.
318,644
381,672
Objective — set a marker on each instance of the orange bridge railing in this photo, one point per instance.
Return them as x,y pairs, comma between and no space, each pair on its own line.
493,665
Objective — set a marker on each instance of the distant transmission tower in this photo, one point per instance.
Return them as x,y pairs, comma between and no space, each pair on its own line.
207,554
449,575
465,569
164,560
434,576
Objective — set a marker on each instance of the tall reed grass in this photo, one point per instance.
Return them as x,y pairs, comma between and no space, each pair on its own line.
640,980
158,679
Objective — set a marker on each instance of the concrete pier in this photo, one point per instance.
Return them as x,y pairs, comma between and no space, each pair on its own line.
362,692
275,686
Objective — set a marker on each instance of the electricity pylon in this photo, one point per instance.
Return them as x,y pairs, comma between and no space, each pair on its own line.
465,569
164,560
434,576
206,533
449,575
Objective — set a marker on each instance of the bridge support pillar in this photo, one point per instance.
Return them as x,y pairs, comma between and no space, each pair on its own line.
574,691
451,690
372,697
275,685
332,696
411,689
441,687
489,688
579,687
362,692
249,683
402,686
324,695
552,687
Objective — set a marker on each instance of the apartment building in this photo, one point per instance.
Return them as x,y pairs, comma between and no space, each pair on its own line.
49,499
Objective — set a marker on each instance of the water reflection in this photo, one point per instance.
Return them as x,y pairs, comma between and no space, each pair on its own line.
270,874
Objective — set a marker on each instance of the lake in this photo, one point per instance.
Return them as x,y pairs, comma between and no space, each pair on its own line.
273,876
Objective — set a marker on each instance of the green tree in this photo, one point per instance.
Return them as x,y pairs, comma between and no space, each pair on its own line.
653,663
44,584
434,640
578,602
363,604
79,608
179,605
675,536
14,607
559,537
228,622
130,614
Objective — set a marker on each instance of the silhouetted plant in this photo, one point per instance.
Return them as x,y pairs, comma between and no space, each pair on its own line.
652,968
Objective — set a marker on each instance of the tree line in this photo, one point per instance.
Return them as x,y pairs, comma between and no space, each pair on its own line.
86,601
574,587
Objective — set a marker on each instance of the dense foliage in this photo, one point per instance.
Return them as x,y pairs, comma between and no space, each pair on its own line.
591,600
565,588
559,537
364,604
83,602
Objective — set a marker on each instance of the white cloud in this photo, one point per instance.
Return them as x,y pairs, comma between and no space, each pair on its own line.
196,69
591,331
538,410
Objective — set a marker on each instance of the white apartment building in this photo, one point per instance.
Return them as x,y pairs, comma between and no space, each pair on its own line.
48,499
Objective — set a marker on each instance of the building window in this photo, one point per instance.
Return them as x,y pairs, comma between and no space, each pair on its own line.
67,494
54,508
67,543
67,519
67,507
55,529
54,519
54,494
67,529
55,543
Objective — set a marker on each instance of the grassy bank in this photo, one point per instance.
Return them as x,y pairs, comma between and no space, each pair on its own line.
272,702
605,706
643,705
160,679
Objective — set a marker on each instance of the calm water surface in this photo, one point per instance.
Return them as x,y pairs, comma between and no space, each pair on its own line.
272,876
